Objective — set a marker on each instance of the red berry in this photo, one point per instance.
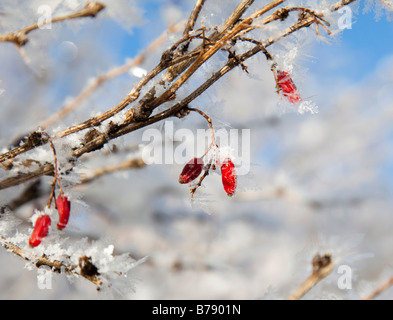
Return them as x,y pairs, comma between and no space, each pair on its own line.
63,207
191,170
229,179
288,87
40,231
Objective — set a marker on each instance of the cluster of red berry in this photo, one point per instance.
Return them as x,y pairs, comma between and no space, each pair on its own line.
63,206
194,167
43,222
190,172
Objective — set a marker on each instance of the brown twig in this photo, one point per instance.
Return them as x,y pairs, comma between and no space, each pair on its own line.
44,170
111,74
341,4
193,17
19,38
322,267
55,265
209,120
385,286
136,163
205,174
387,3
56,177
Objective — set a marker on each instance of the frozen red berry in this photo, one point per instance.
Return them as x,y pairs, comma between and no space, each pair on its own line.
191,170
64,208
288,87
40,231
229,179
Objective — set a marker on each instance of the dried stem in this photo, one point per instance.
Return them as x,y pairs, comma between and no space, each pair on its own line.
111,74
136,163
19,38
205,174
193,17
380,290
341,4
387,3
322,267
209,120
55,265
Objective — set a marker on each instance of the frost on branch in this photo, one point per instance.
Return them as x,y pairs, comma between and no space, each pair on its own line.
99,137
92,260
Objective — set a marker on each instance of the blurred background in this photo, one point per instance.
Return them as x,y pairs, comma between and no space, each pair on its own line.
319,182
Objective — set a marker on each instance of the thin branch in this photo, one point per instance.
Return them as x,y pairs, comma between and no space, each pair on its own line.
55,265
341,4
46,169
233,18
193,17
387,3
136,163
19,38
199,184
209,120
380,290
322,267
111,74
131,97
31,192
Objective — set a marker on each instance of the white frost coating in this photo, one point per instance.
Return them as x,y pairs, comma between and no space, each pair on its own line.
56,246
124,12
289,58
109,250
8,224
73,4
138,72
37,213
308,106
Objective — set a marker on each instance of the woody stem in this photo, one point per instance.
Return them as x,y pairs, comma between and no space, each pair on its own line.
208,119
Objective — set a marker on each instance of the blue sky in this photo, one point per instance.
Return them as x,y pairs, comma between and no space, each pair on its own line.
359,49
356,51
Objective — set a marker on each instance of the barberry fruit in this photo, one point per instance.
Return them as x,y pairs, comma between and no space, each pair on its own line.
63,207
191,170
229,179
288,87
40,231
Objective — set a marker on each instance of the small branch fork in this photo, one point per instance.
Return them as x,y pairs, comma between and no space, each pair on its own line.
213,144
